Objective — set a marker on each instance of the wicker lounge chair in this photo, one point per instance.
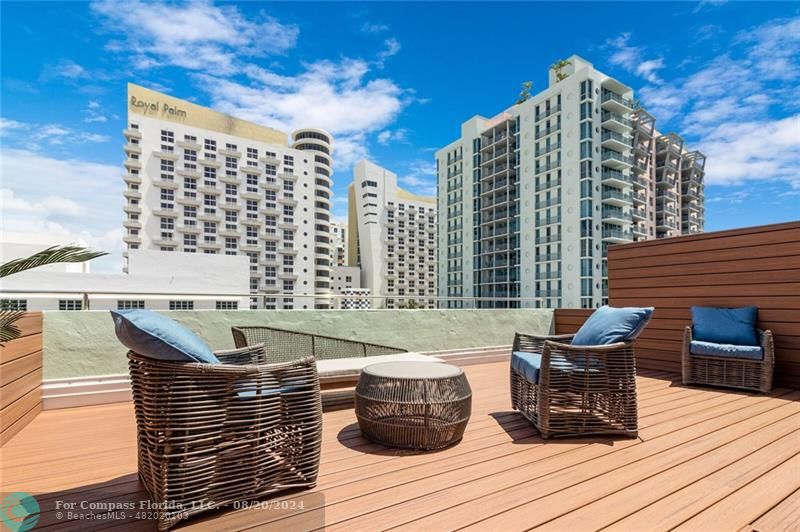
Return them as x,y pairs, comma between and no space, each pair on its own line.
728,363
573,390
283,345
213,434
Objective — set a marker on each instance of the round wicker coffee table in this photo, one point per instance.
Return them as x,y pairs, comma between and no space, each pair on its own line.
414,405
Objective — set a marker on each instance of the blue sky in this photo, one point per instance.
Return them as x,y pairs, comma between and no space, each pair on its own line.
391,81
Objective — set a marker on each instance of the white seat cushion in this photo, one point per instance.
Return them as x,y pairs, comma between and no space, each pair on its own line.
353,366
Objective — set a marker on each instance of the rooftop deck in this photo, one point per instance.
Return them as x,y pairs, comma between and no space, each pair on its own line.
705,460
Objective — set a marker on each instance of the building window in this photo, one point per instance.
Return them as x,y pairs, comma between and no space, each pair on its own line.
210,145
125,304
181,304
13,304
167,136
70,304
227,305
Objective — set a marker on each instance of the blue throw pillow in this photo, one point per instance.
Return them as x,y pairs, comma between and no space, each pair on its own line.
156,336
608,325
735,326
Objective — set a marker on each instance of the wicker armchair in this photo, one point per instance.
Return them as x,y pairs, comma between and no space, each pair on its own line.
730,372
581,390
213,434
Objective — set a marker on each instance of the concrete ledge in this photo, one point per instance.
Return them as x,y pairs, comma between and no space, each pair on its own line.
85,391
337,390
81,344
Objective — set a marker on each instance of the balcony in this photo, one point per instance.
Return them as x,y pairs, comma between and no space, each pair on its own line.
616,103
132,133
617,236
612,196
547,149
615,141
540,168
544,185
252,170
549,112
615,178
168,155
543,132
615,121
616,215
548,220
615,159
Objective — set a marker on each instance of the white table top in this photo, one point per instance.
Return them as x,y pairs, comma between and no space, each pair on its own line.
413,370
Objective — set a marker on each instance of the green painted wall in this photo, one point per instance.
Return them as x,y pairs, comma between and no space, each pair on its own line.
83,343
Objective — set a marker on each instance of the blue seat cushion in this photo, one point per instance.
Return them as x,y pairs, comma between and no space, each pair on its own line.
699,347
155,336
735,326
608,325
529,364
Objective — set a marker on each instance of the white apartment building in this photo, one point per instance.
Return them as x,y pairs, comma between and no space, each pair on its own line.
530,199
338,243
155,280
199,181
347,290
392,237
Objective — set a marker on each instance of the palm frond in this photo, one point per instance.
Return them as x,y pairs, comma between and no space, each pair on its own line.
51,255
8,330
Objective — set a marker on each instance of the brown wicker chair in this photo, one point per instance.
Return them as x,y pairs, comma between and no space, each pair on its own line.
210,435
581,390
741,373
283,345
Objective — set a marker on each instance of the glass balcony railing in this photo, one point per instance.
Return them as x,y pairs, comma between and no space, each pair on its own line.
611,155
609,96
609,116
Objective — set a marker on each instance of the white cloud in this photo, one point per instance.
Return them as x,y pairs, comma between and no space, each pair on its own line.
708,3
420,177
195,35
94,113
33,135
64,196
392,48
387,136
632,58
7,125
759,150
369,27
66,69
725,107
335,96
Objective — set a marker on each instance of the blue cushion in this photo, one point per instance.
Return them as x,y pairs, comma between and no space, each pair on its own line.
726,350
527,365
153,335
608,325
735,326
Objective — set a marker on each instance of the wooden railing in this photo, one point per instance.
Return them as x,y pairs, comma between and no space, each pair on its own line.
21,377
751,266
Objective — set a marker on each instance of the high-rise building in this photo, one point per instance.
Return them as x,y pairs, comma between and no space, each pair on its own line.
392,237
530,200
338,243
199,181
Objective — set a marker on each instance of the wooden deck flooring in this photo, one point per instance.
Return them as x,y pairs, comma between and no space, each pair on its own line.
705,460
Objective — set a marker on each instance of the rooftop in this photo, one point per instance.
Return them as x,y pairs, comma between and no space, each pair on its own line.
705,459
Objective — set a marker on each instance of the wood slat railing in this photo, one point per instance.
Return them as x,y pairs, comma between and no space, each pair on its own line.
751,266
21,377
